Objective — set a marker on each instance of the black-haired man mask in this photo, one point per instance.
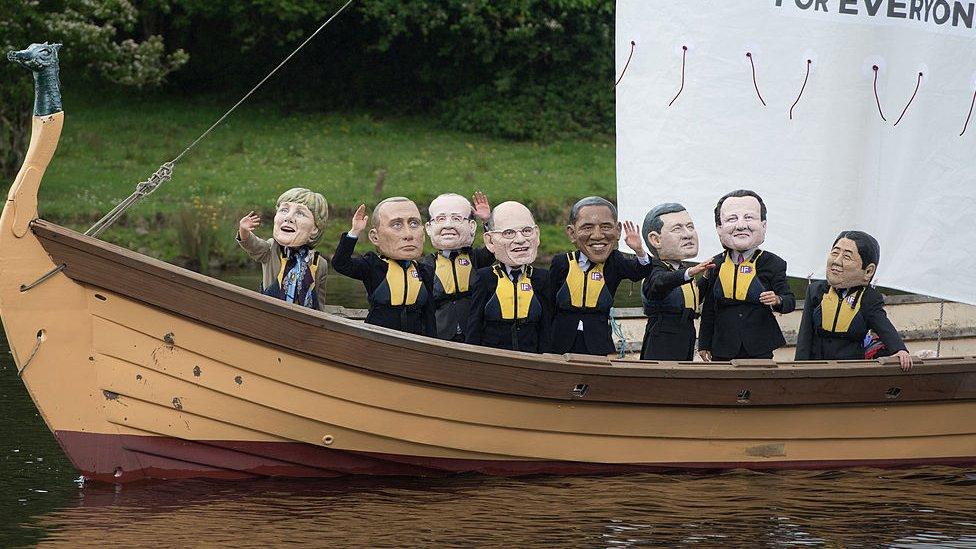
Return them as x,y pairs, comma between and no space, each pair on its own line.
671,295
584,282
745,288
839,312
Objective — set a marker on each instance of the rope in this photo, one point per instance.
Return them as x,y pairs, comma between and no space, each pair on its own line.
618,331
37,346
165,171
917,84
755,83
623,72
805,78
938,345
876,98
966,125
684,55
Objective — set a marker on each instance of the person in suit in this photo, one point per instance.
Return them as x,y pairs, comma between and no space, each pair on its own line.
746,286
511,306
839,311
583,283
671,294
399,288
451,229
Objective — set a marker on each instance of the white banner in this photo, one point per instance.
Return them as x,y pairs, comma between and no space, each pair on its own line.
841,162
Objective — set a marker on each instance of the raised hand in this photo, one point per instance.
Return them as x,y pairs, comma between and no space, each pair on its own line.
700,268
247,225
359,220
633,239
705,355
482,209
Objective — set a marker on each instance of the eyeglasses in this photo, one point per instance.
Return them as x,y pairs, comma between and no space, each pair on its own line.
444,218
509,234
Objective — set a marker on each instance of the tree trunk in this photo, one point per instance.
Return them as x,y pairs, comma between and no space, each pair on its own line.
15,137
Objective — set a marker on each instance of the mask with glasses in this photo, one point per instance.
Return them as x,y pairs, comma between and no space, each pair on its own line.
510,234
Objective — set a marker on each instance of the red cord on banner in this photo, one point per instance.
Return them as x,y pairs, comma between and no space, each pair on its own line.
917,84
966,125
627,64
876,98
754,82
803,87
684,52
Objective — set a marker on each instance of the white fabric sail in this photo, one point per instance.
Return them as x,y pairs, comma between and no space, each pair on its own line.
837,164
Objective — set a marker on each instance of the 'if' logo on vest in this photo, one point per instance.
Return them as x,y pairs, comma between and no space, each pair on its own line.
745,269
526,287
463,262
595,275
415,274
851,299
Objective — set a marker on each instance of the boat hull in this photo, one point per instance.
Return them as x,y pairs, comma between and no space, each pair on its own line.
149,371
130,458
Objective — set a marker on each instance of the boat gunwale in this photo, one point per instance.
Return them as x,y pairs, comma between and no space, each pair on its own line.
588,369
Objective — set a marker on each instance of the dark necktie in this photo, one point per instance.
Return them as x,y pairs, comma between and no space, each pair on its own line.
515,274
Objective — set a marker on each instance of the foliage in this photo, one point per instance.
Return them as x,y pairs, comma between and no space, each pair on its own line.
198,229
97,34
512,68
527,69
105,151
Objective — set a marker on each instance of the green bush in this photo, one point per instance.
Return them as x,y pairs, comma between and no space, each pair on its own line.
523,69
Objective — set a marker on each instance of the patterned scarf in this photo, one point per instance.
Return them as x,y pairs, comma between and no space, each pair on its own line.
297,284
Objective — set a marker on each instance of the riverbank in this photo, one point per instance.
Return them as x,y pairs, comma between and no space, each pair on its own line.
110,145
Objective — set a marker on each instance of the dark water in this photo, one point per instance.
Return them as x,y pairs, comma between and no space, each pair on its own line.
42,501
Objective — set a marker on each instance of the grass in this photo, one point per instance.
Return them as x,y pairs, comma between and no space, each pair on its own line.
109,146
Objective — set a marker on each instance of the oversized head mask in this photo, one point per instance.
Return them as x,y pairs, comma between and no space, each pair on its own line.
398,232
451,225
595,230
514,238
300,218
740,223
670,233
852,260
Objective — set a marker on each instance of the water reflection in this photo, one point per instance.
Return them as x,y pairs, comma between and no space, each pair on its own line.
935,507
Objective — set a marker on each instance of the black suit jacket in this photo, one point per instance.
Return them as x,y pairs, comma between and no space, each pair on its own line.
813,343
728,326
451,312
531,337
371,269
596,327
670,331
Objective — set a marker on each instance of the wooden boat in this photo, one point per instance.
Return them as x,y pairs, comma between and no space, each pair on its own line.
145,370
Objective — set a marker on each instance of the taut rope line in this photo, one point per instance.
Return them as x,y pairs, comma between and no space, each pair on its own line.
165,171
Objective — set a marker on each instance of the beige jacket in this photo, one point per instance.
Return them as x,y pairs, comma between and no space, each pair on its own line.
268,253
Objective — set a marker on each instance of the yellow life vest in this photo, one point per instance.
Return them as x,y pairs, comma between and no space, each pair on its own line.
685,297
836,313
453,275
403,286
739,282
689,290
585,289
514,300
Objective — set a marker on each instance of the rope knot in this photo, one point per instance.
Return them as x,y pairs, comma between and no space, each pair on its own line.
160,176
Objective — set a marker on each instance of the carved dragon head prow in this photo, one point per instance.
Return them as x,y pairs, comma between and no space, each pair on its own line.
42,59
